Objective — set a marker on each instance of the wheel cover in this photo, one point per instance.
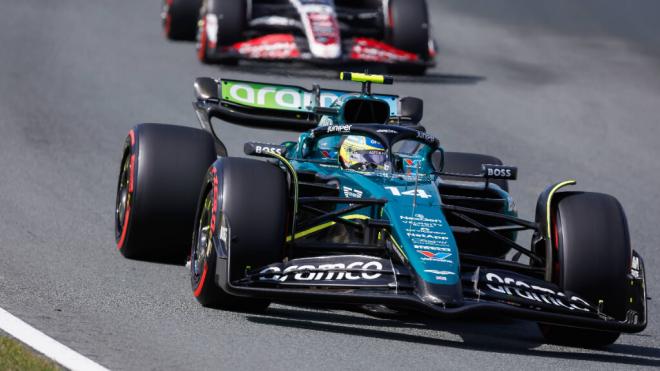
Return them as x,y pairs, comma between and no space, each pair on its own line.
203,238
123,201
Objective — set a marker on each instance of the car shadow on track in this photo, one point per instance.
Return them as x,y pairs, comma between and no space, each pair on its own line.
500,335
295,70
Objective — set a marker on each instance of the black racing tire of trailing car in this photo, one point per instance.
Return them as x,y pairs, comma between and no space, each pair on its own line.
246,212
180,19
592,245
162,169
407,28
469,163
231,18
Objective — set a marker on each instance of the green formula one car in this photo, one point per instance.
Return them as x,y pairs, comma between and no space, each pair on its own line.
366,208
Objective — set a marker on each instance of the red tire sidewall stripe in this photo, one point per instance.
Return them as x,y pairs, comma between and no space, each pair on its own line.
200,285
201,53
168,18
131,180
168,24
131,183
214,209
390,21
555,245
120,244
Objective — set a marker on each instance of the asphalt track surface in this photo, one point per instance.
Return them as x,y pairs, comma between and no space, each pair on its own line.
559,88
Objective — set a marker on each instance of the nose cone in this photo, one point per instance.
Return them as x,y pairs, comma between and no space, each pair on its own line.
322,31
325,51
444,295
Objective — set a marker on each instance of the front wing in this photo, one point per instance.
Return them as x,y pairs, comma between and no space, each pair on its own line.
352,279
288,47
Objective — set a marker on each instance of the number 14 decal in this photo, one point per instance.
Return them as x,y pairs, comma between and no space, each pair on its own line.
420,192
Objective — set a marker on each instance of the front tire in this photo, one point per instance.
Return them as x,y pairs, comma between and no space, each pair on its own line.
592,249
203,258
242,221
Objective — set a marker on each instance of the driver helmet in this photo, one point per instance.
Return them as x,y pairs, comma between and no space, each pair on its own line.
362,154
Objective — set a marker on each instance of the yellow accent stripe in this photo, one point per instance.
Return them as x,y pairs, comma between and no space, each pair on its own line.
325,225
311,230
397,246
347,217
295,180
552,193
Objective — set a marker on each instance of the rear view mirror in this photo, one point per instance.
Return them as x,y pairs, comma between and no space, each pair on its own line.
412,110
438,160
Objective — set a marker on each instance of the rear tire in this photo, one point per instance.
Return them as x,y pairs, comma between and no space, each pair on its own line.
250,209
158,188
592,247
180,19
408,29
229,18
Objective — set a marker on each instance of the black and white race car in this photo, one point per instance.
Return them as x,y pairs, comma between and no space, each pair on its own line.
389,32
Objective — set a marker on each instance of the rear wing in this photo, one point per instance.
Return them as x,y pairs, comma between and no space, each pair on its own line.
270,106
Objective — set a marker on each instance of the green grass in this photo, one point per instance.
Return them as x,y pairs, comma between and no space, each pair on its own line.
15,356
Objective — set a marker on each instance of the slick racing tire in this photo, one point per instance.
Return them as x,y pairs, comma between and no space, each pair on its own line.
241,219
161,171
407,28
592,249
222,24
180,19
470,163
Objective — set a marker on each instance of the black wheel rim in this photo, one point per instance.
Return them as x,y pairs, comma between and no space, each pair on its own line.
123,200
202,247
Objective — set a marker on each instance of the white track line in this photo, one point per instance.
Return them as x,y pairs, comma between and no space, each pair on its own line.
46,345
